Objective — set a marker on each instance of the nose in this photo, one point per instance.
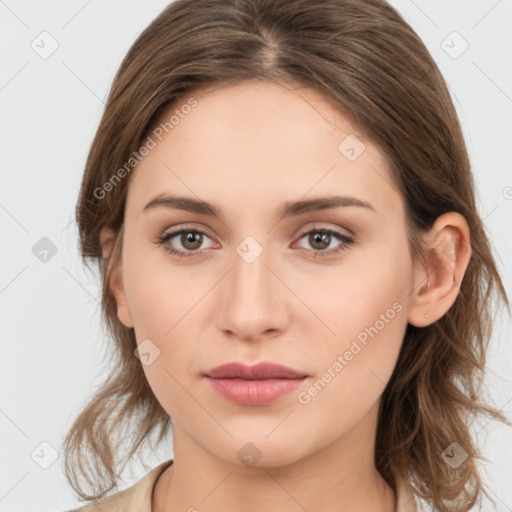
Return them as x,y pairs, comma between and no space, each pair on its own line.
253,300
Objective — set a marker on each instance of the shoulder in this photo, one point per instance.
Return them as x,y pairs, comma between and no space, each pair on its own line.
406,500
136,498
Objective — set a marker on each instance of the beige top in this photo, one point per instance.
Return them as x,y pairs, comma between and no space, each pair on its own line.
138,497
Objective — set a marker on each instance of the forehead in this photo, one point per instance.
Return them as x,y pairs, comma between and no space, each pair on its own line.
263,142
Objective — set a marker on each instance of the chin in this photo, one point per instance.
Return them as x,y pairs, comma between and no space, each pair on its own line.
263,451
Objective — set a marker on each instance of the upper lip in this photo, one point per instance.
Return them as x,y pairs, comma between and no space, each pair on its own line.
264,370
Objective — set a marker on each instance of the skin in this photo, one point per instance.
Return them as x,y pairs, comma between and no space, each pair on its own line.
248,148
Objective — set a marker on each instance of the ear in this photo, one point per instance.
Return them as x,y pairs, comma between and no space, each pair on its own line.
436,285
116,285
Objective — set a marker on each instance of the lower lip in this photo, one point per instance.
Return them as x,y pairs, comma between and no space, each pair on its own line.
254,392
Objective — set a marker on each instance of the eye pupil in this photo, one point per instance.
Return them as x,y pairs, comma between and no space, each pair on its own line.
191,237
321,238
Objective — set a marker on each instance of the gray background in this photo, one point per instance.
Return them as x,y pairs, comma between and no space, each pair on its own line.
52,339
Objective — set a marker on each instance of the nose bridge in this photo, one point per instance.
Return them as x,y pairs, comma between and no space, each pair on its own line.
250,273
252,302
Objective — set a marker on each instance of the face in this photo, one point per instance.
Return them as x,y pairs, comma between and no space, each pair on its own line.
323,291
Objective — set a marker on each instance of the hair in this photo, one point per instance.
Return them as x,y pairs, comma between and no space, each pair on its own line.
364,58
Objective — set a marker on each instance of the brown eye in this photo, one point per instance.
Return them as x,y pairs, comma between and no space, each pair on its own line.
319,240
191,240
188,242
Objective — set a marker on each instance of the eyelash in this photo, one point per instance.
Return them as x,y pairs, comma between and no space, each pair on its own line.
344,239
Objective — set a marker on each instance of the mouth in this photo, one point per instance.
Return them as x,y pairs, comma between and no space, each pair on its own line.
261,384
260,371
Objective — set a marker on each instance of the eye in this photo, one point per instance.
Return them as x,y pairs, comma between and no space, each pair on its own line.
321,238
190,240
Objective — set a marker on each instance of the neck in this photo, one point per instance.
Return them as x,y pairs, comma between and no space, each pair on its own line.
339,477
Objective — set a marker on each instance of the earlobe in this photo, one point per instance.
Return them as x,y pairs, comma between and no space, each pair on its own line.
437,283
111,245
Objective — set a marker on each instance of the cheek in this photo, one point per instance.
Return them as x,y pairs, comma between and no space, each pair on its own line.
161,315
368,288
363,308
157,294
159,303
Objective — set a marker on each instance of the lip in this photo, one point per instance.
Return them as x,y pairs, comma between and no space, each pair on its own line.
263,370
260,384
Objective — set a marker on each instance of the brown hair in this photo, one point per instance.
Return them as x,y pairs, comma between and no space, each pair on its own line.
371,64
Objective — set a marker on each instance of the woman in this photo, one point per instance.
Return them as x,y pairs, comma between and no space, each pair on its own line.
295,274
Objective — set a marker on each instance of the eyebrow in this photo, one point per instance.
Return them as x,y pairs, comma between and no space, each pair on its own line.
288,209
